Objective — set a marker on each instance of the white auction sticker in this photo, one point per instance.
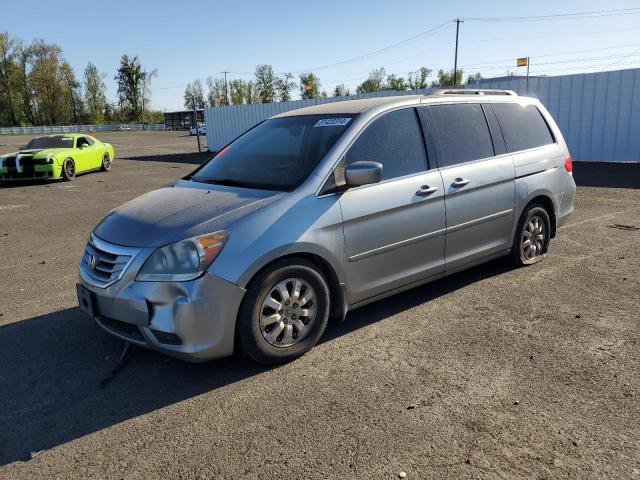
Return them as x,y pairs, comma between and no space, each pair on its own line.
332,122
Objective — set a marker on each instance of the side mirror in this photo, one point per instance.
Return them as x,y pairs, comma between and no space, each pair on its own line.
362,173
83,146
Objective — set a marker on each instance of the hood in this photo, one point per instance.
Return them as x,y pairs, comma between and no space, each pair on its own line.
178,211
35,151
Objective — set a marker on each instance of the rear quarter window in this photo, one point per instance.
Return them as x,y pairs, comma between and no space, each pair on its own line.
523,126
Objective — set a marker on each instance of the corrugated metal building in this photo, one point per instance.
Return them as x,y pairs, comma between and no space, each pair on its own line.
598,113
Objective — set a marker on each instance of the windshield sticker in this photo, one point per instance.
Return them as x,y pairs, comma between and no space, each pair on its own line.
332,122
67,138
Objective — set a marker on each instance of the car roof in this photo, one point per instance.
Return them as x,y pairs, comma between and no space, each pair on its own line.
346,106
364,104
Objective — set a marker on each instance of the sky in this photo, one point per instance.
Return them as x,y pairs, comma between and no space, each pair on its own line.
340,41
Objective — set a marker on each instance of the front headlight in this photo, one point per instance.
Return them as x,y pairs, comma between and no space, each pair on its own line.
183,260
50,158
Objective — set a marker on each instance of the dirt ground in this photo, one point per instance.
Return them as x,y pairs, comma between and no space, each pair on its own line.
491,373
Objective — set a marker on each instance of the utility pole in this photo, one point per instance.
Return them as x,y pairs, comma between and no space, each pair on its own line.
528,62
195,120
144,79
455,60
226,98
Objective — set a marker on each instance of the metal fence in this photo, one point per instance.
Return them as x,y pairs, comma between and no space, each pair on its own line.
79,128
598,113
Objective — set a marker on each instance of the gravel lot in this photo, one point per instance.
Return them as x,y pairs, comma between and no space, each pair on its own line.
491,373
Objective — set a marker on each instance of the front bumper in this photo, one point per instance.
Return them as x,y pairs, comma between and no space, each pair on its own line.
193,321
33,172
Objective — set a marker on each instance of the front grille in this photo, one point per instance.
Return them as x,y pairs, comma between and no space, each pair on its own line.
124,329
27,167
103,263
14,175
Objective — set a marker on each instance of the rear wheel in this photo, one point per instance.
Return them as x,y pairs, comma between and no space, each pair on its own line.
68,169
532,236
284,312
106,163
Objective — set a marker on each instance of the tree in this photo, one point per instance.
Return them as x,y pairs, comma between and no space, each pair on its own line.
396,83
473,79
341,91
418,80
44,79
375,81
72,94
283,86
265,83
445,78
133,87
11,82
217,94
194,94
309,86
251,93
238,91
95,98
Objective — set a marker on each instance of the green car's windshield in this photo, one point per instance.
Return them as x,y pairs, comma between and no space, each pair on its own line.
278,154
56,141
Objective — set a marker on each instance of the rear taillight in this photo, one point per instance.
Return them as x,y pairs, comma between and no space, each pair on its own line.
568,164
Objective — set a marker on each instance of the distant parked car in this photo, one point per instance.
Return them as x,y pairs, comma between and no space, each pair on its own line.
202,128
124,128
57,156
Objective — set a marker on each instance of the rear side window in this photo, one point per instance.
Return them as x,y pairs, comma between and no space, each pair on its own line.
394,140
523,126
462,133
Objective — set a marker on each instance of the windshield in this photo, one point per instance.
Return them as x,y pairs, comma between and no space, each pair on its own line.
58,141
278,154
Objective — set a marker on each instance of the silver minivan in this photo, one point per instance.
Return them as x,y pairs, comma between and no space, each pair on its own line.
318,211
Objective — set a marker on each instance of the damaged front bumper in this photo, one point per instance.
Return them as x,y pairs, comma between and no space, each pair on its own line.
193,321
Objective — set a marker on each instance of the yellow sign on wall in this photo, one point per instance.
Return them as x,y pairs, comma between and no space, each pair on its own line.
522,62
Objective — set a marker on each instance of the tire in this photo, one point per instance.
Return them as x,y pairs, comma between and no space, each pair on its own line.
270,330
68,169
532,236
106,163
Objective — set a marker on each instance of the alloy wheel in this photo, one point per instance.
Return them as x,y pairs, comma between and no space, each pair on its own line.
533,238
288,312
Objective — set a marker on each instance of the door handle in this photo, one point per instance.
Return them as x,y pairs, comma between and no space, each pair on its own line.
426,190
460,182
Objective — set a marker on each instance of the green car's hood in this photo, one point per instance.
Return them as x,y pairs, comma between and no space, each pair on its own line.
40,152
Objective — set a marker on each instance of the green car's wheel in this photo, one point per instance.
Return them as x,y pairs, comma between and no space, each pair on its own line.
106,163
68,169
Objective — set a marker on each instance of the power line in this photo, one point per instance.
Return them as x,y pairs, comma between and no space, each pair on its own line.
536,37
559,16
554,54
571,60
426,33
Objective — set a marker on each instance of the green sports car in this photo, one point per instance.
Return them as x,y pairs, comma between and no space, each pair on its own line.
57,156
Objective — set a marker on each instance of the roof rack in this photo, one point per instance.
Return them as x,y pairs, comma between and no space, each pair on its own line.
472,91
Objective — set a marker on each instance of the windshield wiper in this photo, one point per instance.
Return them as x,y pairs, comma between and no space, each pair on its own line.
230,182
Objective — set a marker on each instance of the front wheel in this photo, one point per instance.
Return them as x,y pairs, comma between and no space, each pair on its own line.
284,312
68,169
106,163
532,236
